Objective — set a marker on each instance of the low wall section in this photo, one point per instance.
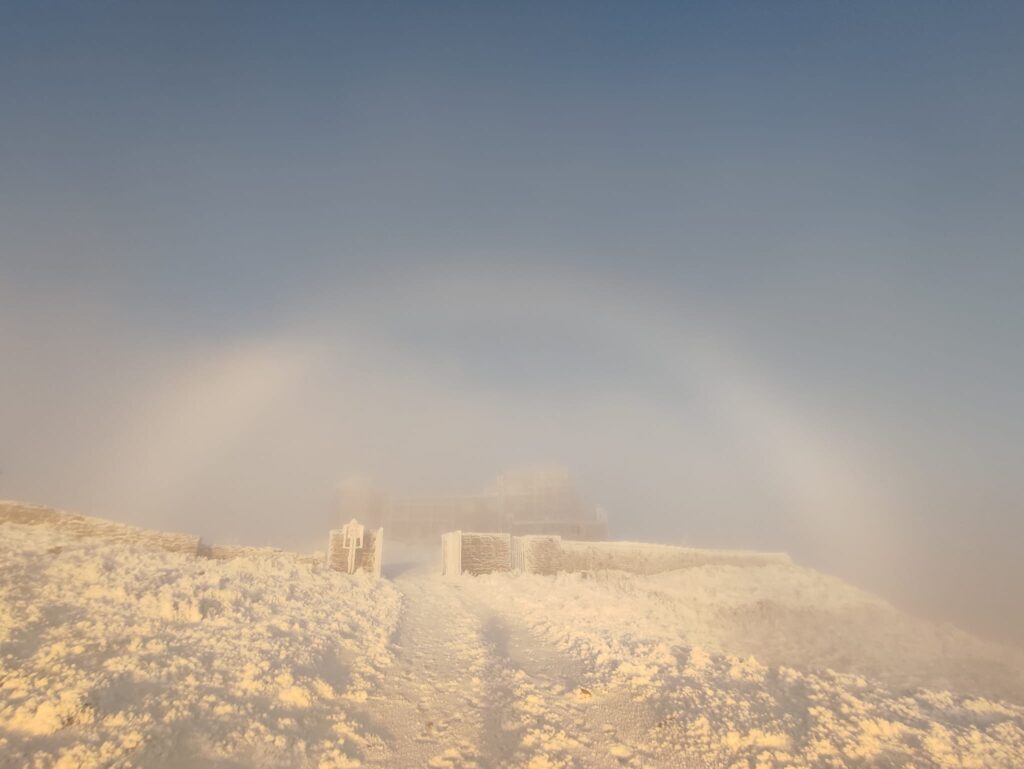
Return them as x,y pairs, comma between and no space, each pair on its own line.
480,553
644,558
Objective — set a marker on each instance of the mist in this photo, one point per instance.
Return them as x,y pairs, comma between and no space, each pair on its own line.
746,305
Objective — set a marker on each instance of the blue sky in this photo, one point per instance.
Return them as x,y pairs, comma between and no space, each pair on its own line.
752,271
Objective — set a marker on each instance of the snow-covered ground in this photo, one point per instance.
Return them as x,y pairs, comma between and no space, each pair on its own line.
117,654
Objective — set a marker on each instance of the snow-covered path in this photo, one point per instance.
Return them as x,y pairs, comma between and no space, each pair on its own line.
472,687
429,701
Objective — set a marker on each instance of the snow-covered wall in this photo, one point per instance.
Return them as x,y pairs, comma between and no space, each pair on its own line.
646,558
537,554
482,553
75,525
367,557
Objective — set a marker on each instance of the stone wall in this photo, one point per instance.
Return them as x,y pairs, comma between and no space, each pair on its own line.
481,553
484,553
537,554
644,558
367,558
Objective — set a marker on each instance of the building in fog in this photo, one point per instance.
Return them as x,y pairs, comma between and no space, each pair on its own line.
539,500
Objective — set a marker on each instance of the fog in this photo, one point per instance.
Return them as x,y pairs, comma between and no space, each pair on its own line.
740,311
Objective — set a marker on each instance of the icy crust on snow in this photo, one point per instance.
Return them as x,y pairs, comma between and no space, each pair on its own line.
775,666
114,654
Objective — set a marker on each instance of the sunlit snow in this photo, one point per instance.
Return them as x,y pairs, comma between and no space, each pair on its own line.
115,653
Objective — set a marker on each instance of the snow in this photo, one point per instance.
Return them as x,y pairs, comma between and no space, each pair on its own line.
117,653
773,666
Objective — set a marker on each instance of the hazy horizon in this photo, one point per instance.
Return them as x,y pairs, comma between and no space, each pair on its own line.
752,274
